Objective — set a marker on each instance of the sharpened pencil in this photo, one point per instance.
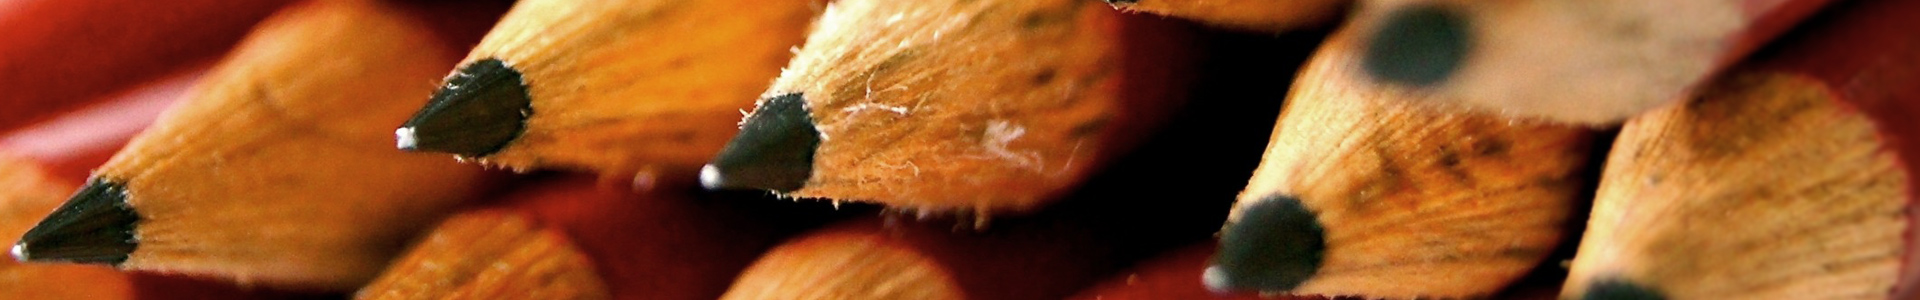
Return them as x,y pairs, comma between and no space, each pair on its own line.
275,170
43,163
945,105
1790,178
1364,193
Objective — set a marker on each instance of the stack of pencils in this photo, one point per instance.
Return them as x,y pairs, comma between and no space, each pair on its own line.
960,149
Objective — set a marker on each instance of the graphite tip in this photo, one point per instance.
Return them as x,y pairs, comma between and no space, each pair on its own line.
773,151
1276,245
481,108
95,226
1420,45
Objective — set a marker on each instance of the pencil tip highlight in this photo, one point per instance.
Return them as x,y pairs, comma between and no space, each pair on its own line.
1419,45
1277,245
773,151
481,108
711,178
95,226
403,138
1616,289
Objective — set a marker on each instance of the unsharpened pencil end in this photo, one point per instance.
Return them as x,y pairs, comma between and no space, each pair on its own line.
1419,45
481,108
773,151
1276,245
95,226
1620,290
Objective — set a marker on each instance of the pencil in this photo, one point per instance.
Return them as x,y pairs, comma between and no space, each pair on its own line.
34,177
1106,223
609,86
1363,193
1789,178
944,105
274,170
1111,219
892,257
655,237
58,55
1586,62
486,254
1258,15
40,164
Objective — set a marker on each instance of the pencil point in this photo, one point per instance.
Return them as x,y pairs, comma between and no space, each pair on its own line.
1276,245
774,149
1419,45
94,226
1620,290
478,111
1121,2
